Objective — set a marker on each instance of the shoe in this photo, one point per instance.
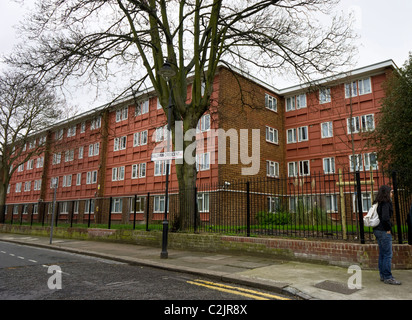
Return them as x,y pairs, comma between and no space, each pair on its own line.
392,281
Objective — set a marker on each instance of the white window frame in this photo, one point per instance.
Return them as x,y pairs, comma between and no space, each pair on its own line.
203,161
142,108
354,126
331,203
293,169
159,203
357,164
329,165
293,136
118,173
203,201
303,134
117,205
302,167
367,124
272,135
78,179
326,127
324,95
367,161
271,102
272,169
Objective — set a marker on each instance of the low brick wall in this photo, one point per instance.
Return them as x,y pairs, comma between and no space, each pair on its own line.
335,253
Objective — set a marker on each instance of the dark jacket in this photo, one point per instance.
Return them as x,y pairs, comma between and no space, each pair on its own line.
385,212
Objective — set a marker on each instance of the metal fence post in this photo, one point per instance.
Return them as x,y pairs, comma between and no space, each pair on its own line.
360,210
397,213
248,207
134,213
147,211
195,210
110,213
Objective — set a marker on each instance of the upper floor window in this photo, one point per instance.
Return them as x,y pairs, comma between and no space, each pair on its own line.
296,102
142,108
121,114
271,135
271,102
358,87
324,95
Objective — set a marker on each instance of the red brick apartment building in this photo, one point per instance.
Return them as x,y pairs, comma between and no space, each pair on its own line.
106,152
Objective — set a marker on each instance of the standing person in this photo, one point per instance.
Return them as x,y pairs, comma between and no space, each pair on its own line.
383,233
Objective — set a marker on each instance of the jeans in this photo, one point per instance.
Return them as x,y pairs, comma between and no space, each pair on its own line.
385,253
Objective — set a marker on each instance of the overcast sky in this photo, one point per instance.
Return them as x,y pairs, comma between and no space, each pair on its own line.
384,28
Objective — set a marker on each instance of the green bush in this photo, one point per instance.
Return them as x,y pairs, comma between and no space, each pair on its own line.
273,218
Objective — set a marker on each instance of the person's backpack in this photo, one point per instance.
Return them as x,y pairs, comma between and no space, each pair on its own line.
372,218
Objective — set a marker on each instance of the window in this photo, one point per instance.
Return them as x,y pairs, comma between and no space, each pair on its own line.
78,179
273,204
20,168
58,134
120,143
76,207
331,203
94,149
203,202
351,89
136,139
205,123
159,204
353,125
271,135
83,127
142,108
56,158
161,134
303,134
366,202
364,86
304,169
371,161
368,122
91,177
89,206
40,162
143,137
118,173
139,204
64,207
37,185
81,149
27,186
291,135
271,102
298,102
272,169
293,169
69,155
121,114
67,181
160,167
360,87
355,162
324,95
30,164
71,131
327,129
139,170
25,207
117,204
96,123
54,182
329,165
203,161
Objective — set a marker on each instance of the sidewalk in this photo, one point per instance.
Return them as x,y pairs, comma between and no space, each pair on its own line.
303,280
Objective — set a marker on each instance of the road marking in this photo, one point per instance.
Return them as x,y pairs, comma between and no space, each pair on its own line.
32,260
237,290
20,257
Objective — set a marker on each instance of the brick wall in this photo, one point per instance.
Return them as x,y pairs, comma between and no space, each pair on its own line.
335,253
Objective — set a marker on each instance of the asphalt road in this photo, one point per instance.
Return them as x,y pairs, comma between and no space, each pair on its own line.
31,273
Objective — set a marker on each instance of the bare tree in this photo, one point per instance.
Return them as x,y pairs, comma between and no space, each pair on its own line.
26,108
95,39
